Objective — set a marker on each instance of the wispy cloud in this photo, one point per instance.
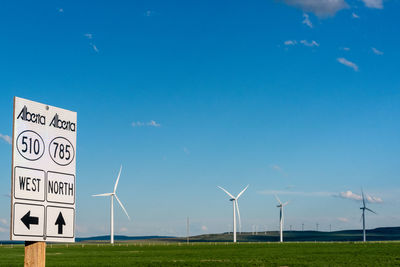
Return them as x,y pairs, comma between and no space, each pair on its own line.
89,35
290,42
376,51
186,150
204,228
3,230
321,8
345,49
296,193
353,196
309,44
123,229
355,16
61,10
5,138
94,47
276,168
373,3
3,221
307,20
151,123
149,13
347,63
342,219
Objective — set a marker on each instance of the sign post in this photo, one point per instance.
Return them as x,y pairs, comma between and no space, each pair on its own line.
43,184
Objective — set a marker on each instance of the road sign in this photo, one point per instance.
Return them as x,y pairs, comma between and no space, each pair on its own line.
43,173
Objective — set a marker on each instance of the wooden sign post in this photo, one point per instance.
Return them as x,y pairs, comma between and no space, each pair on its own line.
35,254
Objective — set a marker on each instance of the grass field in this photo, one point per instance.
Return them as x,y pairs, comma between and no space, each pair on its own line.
220,254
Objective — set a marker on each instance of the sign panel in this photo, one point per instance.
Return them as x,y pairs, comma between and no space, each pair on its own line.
43,173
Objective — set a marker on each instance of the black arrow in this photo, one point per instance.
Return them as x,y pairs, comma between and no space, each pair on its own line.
28,220
60,221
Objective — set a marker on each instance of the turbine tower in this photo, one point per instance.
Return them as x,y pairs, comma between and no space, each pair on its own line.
235,208
280,206
363,208
112,195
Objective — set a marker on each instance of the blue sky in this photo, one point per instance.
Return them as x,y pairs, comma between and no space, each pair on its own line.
294,96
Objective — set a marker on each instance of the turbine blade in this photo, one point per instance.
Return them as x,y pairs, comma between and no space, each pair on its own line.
371,210
229,194
242,192
240,222
116,183
103,195
284,204
122,206
363,198
277,198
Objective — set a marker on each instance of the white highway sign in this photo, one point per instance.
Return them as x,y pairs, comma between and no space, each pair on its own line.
43,178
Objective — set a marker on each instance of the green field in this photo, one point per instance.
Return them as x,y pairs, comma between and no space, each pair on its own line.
210,254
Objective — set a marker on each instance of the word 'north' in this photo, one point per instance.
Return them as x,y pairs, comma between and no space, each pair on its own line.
60,188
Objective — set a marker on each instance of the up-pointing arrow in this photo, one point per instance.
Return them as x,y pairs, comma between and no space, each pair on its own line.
60,222
28,220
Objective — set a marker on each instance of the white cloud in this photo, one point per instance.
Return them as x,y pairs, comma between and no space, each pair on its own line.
321,8
61,10
290,42
346,48
309,44
151,123
94,47
341,219
149,13
3,221
373,3
5,138
88,35
307,20
276,167
347,63
186,150
3,230
123,229
376,51
350,195
204,228
355,16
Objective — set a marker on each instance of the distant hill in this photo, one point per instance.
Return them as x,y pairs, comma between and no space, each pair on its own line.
118,238
378,234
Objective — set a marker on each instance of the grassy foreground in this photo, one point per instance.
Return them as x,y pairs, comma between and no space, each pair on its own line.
219,254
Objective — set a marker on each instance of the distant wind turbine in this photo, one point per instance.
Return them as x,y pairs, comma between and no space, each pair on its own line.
363,208
235,207
280,205
112,195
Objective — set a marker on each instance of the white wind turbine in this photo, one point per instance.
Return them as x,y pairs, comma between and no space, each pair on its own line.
235,207
112,195
281,205
363,208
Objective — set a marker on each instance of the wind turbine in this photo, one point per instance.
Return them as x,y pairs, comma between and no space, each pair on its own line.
235,208
112,195
281,217
363,208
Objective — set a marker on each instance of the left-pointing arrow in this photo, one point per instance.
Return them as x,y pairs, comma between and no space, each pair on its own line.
28,220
